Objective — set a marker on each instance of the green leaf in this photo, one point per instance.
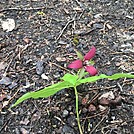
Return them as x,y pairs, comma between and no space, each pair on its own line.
75,40
81,73
103,76
70,78
41,13
44,93
91,62
80,56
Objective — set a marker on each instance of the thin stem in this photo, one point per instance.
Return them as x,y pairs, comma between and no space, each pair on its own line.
77,111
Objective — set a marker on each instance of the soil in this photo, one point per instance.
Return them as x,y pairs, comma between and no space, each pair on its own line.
35,54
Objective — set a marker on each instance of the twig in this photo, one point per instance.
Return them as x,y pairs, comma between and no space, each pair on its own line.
14,95
24,9
60,66
5,73
116,124
98,123
93,116
62,31
4,125
86,32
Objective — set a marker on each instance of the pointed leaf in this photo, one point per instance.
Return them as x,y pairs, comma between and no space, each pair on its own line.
103,76
70,78
80,56
44,93
81,73
91,62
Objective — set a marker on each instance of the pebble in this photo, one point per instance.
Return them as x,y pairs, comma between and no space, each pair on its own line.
13,84
102,108
43,76
67,130
109,73
62,42
84,110
57,75
97,26
98,16
65,113
39,67
24,131
72,121
91,108
5,81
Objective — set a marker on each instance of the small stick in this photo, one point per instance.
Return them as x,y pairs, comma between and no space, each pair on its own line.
60,66
98,123
5,73
24,9
64,29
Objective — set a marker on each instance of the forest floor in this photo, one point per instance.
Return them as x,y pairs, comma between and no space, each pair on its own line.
35,54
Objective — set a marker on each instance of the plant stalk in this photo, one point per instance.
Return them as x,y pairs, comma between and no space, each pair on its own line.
77,110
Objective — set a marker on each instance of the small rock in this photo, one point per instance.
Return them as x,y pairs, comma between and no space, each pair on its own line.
99,15
26,40
84,110
109,26
109,73
97,26
60,59
91,108
85,99
104,101
8,25
5,103
109,95
13,84
2,96
17,131
25,122
43,76
62,42
65,113
116,101
57,75
67,130
72,121
24,131
5,81
2,64
39,67
102,108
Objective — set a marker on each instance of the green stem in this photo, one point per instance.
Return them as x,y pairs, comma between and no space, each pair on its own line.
77,111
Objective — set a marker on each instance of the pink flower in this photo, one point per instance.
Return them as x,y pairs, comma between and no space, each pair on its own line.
78,64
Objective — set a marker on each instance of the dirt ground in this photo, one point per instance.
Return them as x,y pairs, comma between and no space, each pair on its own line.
36,52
